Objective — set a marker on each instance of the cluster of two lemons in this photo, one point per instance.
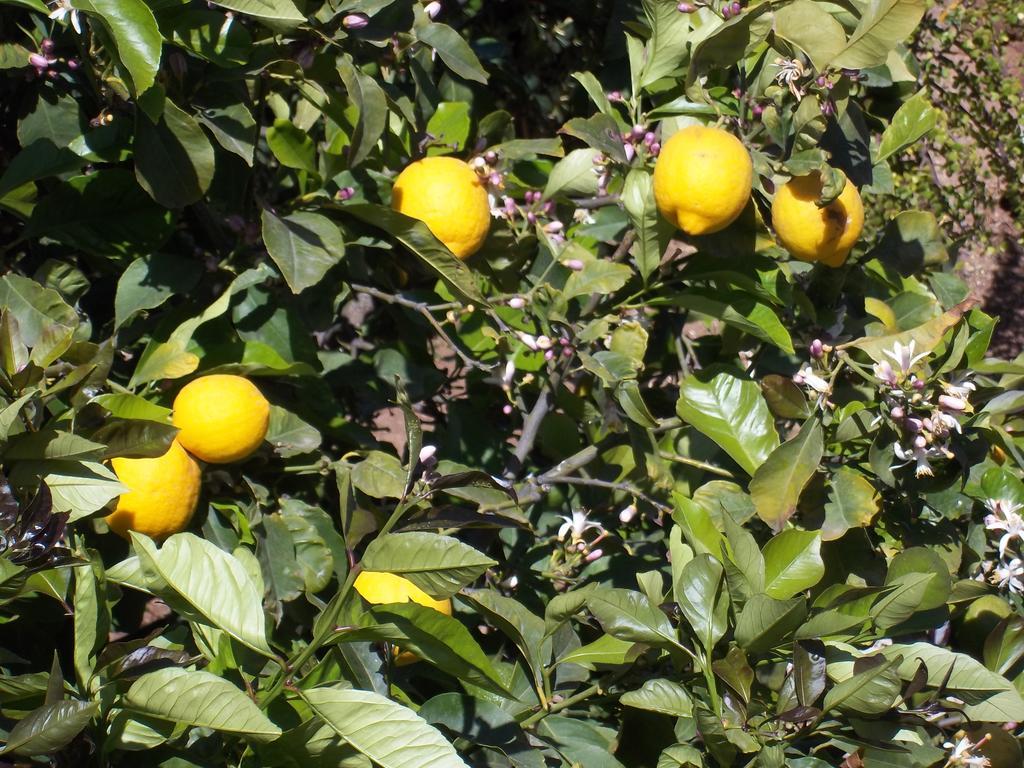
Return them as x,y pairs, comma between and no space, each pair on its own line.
221,419
703,180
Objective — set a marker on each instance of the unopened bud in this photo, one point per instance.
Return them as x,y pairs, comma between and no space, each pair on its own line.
595,555
427,454
355,21
655,148
574,264
432,9
47,46
951,403
544,342
897,412
345,193
491,157
920,441
531,217
517,302
686,8
649,138
918,384
507,409
38,61
630,152
817,348
757,110
627,514
549,354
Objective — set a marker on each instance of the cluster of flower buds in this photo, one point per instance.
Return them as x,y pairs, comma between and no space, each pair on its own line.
640,140
549,346
811,378
924,413
731,10
43,62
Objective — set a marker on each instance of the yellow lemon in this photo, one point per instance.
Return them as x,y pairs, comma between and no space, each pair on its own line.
222,418
702,179
449,197
811,233
379,588
162,493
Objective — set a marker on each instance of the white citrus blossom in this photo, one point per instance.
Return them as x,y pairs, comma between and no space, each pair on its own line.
962,755
811,379
1008,575
904,356
1006,518
63,9
578,524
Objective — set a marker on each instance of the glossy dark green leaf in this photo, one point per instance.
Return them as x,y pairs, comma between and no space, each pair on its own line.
629,616
704,599
303,245
883,25
779,481
48,729
765,622
792,562
870,692
369,98
729,409
151,280
812,29
453,50
574,174
439,565
135,34
660,695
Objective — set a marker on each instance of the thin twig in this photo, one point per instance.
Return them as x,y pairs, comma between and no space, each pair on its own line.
424,310
531,425
624,487
617,255
697,463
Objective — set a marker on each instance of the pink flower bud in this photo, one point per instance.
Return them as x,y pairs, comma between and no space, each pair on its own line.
355,21
757,110
614,96
554,226
491,157
897,412
427,453
595,555
649,138
630,152
47,46
638,131
496,179
507,410
951,403
627,514
517,302
549,354
73,64
686,8
432,9
574,264
567,351
345,193
531,217
920,441
817,348
38,61
918,384
655,148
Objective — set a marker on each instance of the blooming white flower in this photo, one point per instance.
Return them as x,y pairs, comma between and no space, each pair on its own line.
885,374
578,524
916,454
962,755
904,356
813,380
63,9
1008,575
959,386
1005,517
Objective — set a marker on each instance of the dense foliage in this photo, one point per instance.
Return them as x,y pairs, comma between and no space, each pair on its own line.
697,503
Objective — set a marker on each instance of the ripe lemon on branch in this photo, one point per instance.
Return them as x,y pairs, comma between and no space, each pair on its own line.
380,588
811,233
162,493
702,179
222,418
449,197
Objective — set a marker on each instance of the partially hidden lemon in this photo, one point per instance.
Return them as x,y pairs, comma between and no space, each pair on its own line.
702,179
811,233
449,197
162,493
379,588
222,418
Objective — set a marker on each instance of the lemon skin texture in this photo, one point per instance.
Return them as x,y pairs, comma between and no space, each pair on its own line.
702,179
162,494
378,588
811,233
222,418
448,196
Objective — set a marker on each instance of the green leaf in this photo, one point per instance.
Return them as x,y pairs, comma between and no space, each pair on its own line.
303,245
740,310
812,29
172,359
416,236
440,640
38,160
449,126
926,337
574,174
779,481
884,24
151,280
292,147
660,695
290,435
629,616
230,121
484,723
870,692
987,696
792,562
765,622
853,502
605,650
704,599
597,277
521,626
921,560
391,735
284,12
173,158
211,35
439,565
912,121
371,102
200,699
78,487
725,45
44,318
729,409
453,50
599,132
49,728
666,49
135,35
205,584
651,230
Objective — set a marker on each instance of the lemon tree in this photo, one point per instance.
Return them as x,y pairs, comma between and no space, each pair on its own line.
543,344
